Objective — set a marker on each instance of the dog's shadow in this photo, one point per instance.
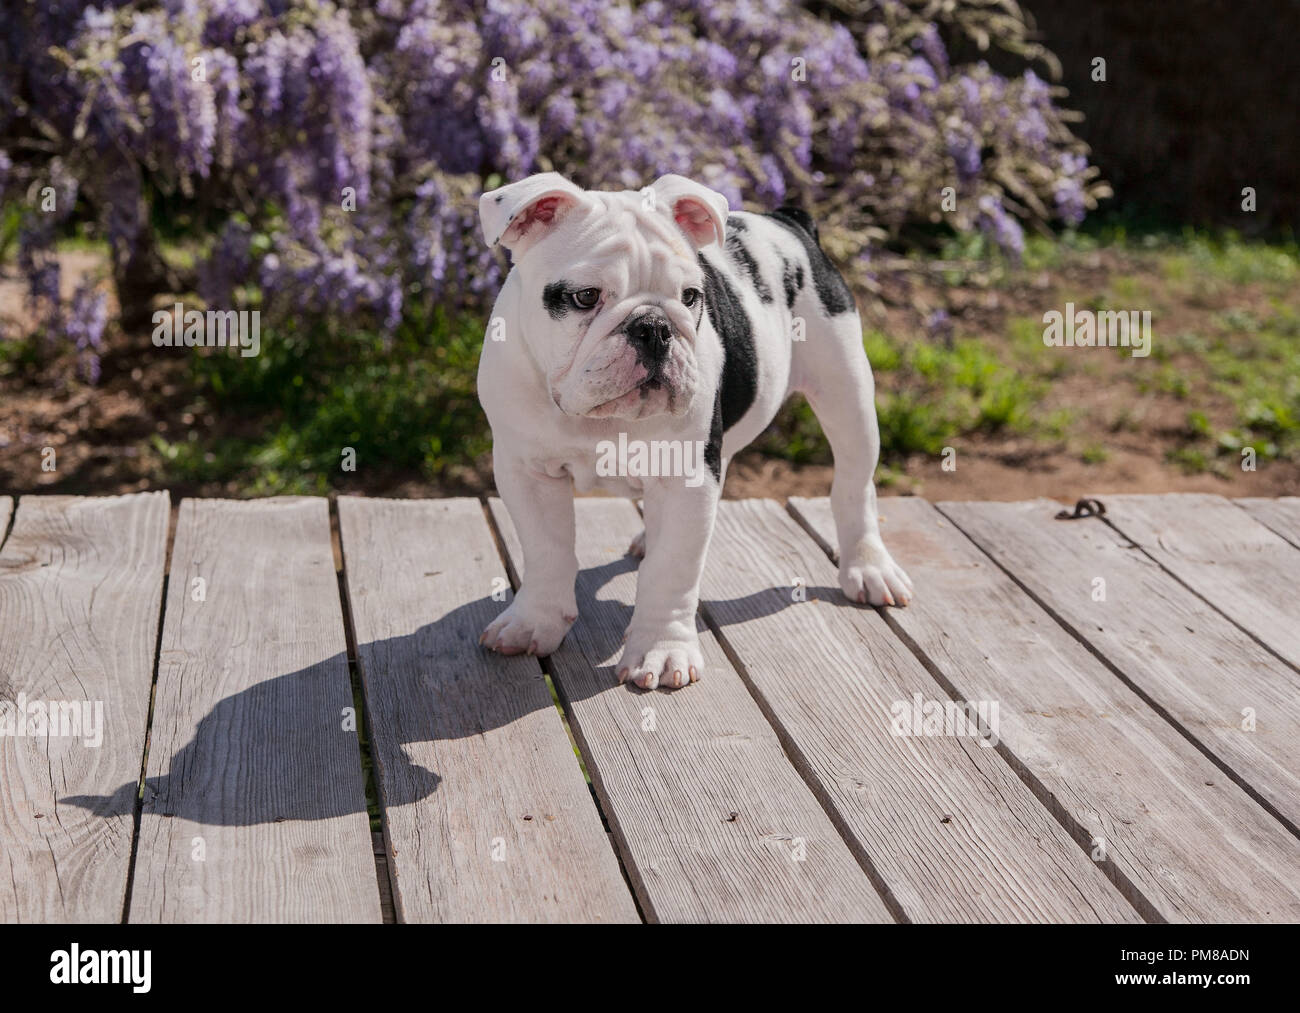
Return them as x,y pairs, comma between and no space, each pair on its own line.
263,755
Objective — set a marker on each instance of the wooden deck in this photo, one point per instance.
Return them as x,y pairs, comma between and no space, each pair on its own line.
260,678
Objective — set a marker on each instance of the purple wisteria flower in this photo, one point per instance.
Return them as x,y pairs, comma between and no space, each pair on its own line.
336,148
84,325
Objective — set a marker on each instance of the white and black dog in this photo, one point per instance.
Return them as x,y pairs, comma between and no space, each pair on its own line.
658,317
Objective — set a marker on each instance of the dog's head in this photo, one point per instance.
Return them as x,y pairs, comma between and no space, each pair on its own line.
612,290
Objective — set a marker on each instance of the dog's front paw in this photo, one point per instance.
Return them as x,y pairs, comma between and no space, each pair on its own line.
870,576
531,624
665,657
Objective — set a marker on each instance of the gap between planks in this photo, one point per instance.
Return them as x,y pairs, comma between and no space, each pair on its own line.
383,870
1281,515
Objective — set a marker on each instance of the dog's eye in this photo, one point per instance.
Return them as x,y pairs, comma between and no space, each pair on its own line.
691,296
585,299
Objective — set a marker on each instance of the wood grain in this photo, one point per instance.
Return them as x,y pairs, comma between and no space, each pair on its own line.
713,822
1281,515
254,803
1183,840
486,812
80,589
948,827
1234,562
1227,693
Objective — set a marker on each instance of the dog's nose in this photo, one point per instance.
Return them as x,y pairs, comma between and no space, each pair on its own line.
651,335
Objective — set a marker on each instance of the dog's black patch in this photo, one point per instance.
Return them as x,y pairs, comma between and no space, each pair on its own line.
831,289
799,217
555,297
738,384
740,254
792,280
713,449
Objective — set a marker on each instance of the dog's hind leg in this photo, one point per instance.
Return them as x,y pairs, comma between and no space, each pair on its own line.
831,370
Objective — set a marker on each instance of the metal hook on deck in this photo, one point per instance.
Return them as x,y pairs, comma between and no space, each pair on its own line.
1083,508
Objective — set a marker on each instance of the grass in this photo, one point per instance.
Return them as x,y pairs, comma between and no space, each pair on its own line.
1251,360
1242,356
21,354
313,401
927,396
1232,260
1094,453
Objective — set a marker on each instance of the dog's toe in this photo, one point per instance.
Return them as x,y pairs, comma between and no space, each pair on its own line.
528,625
661,663
873,578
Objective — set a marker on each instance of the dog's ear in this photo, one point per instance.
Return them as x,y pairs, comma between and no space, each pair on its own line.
701,213
518,215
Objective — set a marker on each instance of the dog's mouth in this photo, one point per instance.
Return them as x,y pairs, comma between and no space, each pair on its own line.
618,382
628,400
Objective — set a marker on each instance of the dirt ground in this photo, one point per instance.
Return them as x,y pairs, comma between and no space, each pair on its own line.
996,471
102,434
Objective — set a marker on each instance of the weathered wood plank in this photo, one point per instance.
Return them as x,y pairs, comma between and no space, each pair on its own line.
1230,695
254,804
6,506
486,812
1234,562
949,828
713,822
80,589
1280,515
1187,842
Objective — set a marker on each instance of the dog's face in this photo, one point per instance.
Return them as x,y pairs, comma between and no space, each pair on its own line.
611,287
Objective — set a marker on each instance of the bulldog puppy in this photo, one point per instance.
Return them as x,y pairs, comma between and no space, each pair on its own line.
658,324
